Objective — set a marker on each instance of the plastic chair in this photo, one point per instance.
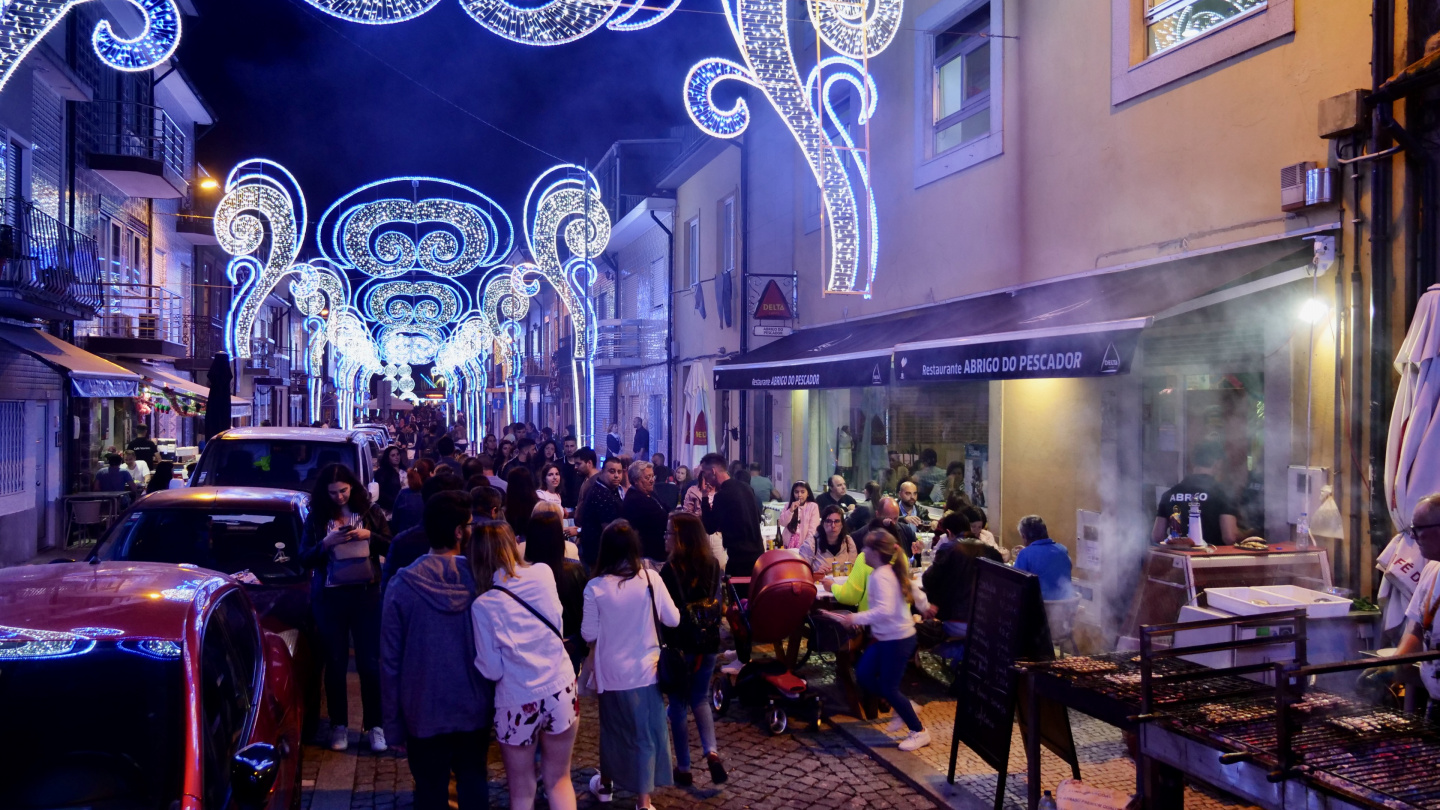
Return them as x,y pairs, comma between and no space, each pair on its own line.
86,514
1060,613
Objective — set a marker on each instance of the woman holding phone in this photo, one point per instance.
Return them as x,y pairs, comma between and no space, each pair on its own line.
342,542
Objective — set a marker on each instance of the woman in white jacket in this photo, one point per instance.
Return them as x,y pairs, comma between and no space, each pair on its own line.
882,667
624,605
517,620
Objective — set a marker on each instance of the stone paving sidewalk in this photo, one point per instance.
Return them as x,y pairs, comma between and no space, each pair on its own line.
1104,760
806,769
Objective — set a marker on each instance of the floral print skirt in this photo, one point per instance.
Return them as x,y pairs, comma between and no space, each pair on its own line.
552,714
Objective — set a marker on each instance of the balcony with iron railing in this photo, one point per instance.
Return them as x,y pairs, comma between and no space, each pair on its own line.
629,342
47,270
136,147
207,336
137,320
269,360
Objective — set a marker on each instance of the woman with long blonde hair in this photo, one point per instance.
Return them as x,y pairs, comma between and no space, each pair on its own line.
518,644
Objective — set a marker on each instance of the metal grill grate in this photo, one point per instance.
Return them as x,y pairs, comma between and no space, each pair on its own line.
12,447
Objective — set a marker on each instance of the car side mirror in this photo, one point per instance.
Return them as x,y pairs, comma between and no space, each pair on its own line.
253,772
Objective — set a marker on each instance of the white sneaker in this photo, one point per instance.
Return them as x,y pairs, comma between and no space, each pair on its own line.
339,738
897,722
916,739
377,740
602,794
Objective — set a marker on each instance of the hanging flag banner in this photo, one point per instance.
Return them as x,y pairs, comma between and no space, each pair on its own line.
1084,354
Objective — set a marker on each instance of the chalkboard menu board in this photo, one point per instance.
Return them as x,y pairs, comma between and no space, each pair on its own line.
1007,624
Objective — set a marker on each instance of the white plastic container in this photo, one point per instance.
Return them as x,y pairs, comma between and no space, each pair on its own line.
1248,601
1317,605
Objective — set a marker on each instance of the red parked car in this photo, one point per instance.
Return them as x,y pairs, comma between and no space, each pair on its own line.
142,686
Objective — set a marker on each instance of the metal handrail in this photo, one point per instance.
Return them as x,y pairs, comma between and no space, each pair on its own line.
136,130
41,256
140,311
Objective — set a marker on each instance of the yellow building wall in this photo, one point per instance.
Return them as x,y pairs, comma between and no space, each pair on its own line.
1082,183
1050,441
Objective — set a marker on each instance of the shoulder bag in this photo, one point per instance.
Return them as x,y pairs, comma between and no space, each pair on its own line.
670,674
528,607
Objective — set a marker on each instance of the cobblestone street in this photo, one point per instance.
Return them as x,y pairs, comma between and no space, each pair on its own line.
803,769
832,767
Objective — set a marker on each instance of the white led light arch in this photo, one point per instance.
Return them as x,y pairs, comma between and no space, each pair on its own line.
857,30
23,23
412,305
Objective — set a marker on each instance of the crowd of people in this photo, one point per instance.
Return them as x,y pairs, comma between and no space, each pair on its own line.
489,587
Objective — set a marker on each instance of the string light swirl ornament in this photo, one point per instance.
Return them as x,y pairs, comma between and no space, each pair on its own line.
262,199
156,43
455,232
763,36
23,23
375,12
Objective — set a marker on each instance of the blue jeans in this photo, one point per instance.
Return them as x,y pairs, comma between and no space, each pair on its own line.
698,700
880,671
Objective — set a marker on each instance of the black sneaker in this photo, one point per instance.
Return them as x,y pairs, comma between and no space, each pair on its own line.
683,778
717,771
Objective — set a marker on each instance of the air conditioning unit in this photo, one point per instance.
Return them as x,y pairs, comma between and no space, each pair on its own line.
1305,184
118,325
149,326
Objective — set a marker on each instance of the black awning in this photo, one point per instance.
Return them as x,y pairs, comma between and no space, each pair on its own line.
1079,326
1096,351
90,375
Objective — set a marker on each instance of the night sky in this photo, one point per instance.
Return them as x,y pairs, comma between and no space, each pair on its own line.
293,84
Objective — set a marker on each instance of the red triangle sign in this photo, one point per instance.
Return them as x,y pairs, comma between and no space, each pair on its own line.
773,304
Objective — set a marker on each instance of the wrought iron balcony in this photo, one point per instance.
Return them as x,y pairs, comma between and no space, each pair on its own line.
207,336
629,342
137,148
269,360
138,320
47,270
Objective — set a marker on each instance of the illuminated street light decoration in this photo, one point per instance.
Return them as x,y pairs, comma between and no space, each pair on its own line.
23,23
375,12
387,326
407,230
261,199
156,43
857,29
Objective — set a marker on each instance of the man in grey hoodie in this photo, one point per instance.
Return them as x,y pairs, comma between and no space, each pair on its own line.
434,700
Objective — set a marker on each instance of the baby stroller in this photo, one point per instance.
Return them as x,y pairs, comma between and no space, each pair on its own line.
781,592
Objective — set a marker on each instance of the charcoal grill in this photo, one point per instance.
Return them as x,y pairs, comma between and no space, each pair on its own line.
1278,744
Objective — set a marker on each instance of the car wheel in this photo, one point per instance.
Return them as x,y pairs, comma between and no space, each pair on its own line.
775,720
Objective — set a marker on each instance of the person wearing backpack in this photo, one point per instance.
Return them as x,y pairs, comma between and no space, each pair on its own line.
516,620
692,576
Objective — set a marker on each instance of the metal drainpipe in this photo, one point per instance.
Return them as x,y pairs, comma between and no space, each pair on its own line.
1380,269
1353,480
744,292
669,340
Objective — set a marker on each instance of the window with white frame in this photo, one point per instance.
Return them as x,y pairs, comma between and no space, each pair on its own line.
1172,22
692,251
961,81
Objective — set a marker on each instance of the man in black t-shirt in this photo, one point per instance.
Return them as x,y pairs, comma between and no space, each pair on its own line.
835,495
144,446
1217,513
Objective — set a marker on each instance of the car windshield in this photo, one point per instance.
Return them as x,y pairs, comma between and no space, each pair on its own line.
100,724
276,463
265,544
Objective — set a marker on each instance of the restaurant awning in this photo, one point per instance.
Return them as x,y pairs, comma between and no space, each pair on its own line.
90,375
1083,325
165,379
